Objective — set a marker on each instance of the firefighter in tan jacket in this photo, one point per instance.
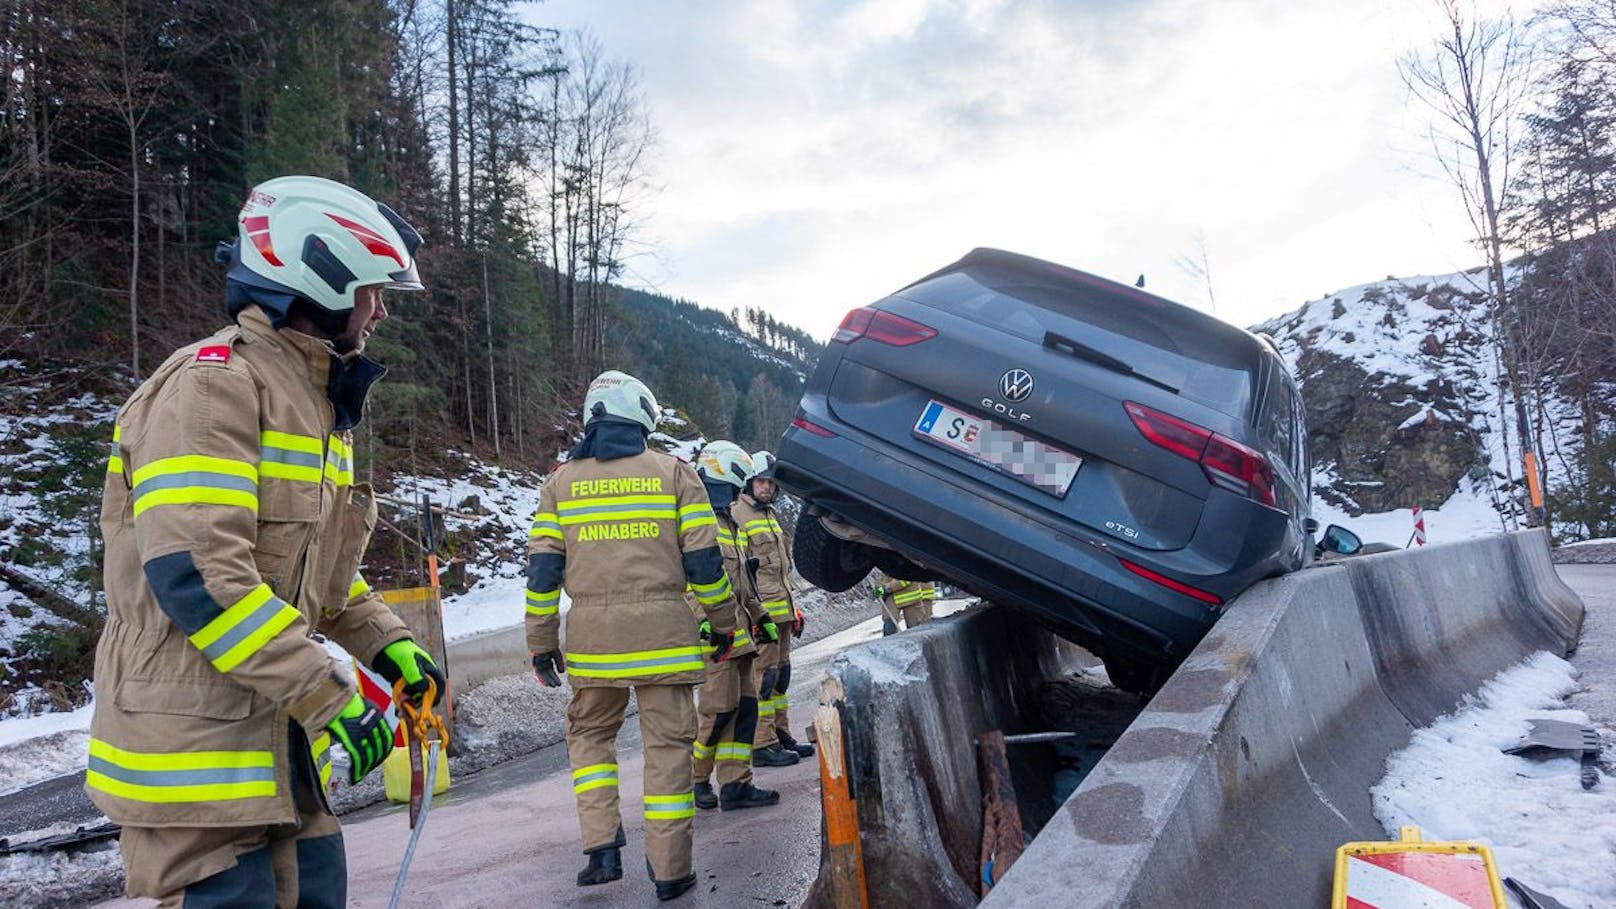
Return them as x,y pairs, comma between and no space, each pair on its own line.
773,745
728,699
625,529
233,530
910,601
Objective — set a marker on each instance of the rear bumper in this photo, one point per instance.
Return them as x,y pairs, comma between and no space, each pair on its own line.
1068,579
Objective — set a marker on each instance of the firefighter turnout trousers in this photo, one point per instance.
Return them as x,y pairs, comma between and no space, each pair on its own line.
667,726
728,704
771,675
279,866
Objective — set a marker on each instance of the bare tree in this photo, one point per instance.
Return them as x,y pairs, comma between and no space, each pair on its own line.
1199,267
1475,80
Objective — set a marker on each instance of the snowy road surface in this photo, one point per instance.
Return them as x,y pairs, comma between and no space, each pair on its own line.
508,837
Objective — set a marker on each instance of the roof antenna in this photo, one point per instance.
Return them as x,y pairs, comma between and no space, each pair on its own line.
1140,282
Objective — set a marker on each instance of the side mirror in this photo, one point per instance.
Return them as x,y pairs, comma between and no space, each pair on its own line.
1340,541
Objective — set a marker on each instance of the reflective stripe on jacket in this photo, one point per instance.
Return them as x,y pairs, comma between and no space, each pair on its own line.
625,537
233,529
767,542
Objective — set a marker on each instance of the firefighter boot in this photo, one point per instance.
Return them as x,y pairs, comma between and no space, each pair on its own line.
773,756
705,797
670,890
788,743
742,794
605,862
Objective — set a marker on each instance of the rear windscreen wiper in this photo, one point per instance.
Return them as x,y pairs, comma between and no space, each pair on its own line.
1082,351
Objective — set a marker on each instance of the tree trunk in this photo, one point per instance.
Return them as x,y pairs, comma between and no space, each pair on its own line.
493,382
451,23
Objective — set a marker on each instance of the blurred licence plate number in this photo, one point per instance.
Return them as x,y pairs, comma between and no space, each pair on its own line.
1005,450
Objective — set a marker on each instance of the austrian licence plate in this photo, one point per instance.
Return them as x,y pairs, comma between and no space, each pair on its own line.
1005,450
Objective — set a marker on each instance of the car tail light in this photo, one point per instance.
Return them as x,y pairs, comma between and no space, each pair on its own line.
1192,592
872,323
814,428
1226,463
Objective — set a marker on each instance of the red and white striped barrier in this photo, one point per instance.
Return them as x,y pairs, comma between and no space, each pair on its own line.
1412,874
1419,526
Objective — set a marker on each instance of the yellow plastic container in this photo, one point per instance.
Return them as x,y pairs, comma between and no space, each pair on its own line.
396,773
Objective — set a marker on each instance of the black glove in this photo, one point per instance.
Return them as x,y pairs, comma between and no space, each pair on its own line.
767,629
546,667
752,570
406,660
362,731
723,642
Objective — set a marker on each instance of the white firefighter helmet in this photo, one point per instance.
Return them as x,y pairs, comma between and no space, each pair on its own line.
317,240
763,460
618,394
725,462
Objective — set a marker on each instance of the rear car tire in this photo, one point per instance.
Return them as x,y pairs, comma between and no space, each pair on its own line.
827,561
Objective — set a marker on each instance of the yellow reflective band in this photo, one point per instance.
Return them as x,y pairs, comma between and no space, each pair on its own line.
778,609
726,537
734,751
634,663
195,480
910,596
670,807
244,628
320,748
659,507
171,777
760,525
765,708
714,593
595,776
542,604
700,751
339,463
693,516
358,588
285,456
115,462
545,524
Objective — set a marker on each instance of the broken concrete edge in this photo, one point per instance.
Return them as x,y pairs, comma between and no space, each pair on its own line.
913,705
1255,760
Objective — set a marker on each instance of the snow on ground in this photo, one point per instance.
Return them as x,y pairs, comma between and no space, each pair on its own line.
492,604
47,880
1455,782
37,748
1463,516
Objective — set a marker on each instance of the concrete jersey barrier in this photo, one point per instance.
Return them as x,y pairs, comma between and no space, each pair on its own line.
1255,760
914,703
1236,783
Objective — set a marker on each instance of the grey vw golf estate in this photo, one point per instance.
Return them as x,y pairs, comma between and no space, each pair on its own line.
1115,465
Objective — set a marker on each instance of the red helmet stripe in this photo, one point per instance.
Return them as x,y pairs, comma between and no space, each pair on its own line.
258,232
372,240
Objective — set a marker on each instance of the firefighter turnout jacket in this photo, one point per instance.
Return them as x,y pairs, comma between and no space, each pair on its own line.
233,529
625,536
761,534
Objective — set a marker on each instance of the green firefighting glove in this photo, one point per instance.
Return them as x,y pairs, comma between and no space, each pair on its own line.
880,592
406,660
723,642
547,667
767,630
362,731
706,632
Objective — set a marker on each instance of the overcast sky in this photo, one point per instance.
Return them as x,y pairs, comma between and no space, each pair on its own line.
814,156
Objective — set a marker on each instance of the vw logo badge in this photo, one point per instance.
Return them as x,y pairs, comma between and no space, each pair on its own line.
1016,385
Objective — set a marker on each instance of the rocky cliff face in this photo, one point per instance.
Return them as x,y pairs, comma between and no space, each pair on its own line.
1401,392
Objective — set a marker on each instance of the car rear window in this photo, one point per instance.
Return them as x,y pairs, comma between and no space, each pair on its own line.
1197,356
